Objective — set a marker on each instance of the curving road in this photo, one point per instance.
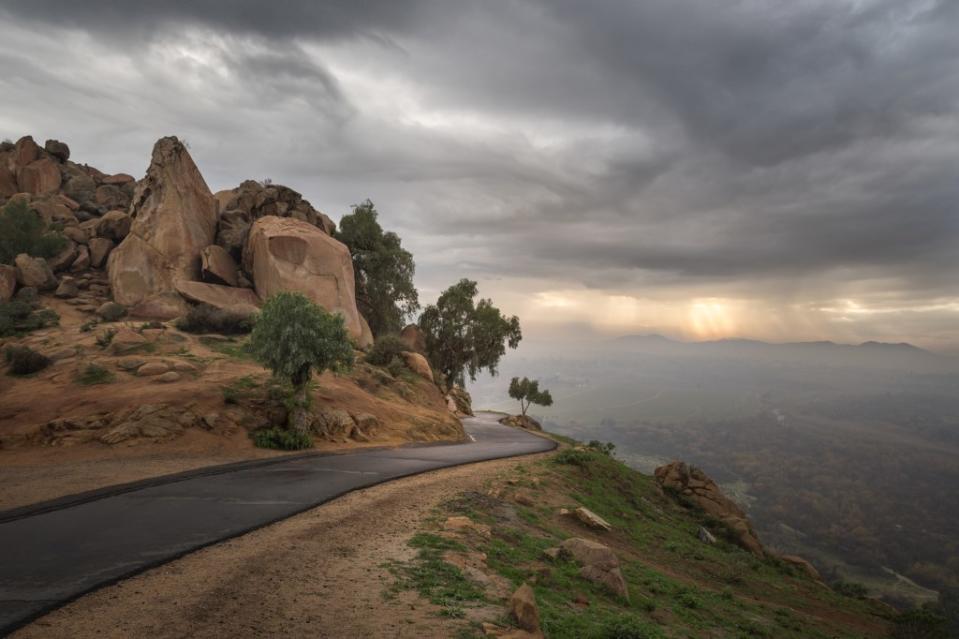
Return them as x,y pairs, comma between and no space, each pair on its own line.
53,553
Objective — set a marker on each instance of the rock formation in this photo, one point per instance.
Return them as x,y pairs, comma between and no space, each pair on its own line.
414,339
696,486
287,254
242,206
599,563
174,219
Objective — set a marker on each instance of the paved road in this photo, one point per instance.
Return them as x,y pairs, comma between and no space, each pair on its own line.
50,558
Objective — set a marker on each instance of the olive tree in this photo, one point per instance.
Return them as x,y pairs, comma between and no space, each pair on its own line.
527,392
294,337
463,336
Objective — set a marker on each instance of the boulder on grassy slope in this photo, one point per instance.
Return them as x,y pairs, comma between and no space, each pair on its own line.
175,218
696,486
287,254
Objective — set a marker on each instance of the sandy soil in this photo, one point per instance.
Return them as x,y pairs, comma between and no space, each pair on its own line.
30,472
319,574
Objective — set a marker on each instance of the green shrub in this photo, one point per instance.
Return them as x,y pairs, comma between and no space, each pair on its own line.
105,338
850,589
605,448
93,374
23,231
23,360
17,318
281,439
204,318
385,349
573,457
629,627
396,367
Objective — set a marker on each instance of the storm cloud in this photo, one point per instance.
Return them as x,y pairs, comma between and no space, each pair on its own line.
798,161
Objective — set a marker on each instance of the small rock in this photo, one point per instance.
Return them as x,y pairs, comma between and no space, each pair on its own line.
126,341
8,282
168,378
522,606
82,262
184,367
151,369
462,524
63,353
705,536
591,519
35,272
100,248
111,312
114,225
551,553
68,288
64,258
130,363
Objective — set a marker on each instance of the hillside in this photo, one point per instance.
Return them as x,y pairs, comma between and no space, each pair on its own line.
482,545
123,330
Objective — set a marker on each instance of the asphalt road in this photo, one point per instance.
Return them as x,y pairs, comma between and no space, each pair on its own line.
50,558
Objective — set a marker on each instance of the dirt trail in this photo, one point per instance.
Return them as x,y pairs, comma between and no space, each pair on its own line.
319,574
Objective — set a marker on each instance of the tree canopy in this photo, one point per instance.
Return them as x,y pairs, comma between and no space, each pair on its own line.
293,337
383,269
527,392
464,337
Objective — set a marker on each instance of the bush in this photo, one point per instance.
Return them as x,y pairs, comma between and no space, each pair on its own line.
573,457
23,231
628,627
93,374
396,367
281,439
23,360
385,349
17,318
204,318
605,448
850,589
105,338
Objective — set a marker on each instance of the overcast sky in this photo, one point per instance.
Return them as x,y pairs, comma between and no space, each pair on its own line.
780,170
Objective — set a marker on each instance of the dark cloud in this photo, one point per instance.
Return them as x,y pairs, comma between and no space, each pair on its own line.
672,147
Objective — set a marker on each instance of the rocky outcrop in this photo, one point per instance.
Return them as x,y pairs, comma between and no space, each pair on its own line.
599,563
459,402
807,568
521,421
174,219
217,266
414,339
35,272
242,300
242,206
285,254
40,176
697,487
418,364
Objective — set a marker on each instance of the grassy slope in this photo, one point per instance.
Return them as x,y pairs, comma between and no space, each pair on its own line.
679,586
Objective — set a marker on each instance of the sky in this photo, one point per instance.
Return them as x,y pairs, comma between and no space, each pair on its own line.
772,170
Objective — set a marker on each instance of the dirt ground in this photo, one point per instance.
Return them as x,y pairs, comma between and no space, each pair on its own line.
319,574
31,471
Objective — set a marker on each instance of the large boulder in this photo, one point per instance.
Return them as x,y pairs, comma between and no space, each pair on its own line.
114,225
521,421
99,248
599,563
697,487
286,254
8,178
174,219
57,149
418,364
223,297
414,339
25,152
459,401
40,176
34,272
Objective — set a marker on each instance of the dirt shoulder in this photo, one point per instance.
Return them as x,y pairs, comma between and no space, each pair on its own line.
319,574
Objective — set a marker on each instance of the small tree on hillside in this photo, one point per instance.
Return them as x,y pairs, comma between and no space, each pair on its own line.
23,231
463,337
294,337
383,270
527,392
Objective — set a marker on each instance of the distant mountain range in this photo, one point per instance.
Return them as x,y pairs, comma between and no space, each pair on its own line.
872,353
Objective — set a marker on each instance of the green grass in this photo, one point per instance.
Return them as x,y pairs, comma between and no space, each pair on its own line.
227,346
238,389
435,580
678,586
93,374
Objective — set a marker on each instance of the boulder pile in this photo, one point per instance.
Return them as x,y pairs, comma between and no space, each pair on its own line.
167,241
697,487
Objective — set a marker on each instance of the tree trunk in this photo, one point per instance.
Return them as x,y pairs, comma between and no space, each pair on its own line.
300,418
